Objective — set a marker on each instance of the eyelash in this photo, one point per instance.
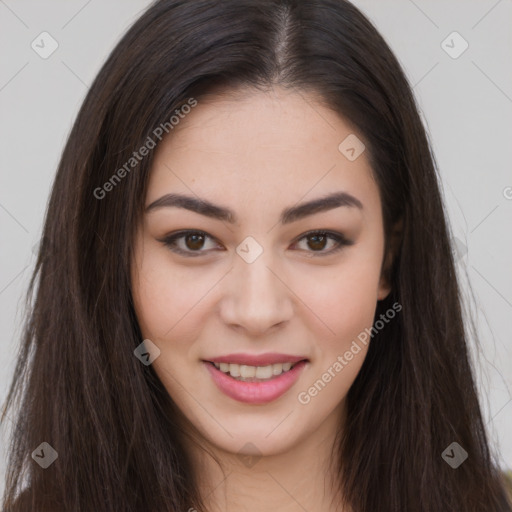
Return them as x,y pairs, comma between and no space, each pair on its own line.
170,242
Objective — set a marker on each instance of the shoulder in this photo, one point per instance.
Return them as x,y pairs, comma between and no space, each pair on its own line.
507,477
507,481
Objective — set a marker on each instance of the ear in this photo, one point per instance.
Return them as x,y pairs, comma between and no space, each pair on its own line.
385,275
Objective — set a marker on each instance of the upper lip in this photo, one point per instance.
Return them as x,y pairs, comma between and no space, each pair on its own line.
257,359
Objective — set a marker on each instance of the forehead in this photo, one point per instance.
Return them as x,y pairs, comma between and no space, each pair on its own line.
280,146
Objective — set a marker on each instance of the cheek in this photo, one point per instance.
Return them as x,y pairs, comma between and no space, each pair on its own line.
167,303
162,294
345,299
342,299
346,304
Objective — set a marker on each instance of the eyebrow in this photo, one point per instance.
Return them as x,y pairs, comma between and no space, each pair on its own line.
288,215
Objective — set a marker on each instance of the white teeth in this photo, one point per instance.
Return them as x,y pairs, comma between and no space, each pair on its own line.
247,371
243,371
233,370
277,369
264,372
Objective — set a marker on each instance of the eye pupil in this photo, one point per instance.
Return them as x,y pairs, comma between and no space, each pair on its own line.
322,238
195,243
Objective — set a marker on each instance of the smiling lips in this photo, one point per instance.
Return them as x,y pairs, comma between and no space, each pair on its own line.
255,379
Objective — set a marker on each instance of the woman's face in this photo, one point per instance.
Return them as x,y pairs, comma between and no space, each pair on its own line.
253,288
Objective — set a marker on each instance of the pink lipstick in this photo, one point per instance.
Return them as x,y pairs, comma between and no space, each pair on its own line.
255,379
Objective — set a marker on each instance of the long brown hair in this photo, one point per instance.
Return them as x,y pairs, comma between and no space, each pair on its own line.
77,384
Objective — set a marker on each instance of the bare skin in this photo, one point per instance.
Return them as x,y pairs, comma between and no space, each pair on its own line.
258,155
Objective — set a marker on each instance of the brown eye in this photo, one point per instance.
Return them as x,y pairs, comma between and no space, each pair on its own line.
188,243
194,241
317,241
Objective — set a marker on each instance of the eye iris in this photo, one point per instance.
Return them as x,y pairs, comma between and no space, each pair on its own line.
197,241
322,238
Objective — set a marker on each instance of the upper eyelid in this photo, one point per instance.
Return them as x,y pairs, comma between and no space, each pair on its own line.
179,234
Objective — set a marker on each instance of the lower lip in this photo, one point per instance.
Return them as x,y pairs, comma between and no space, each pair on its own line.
255,392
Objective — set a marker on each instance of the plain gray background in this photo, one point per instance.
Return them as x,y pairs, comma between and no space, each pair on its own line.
466,104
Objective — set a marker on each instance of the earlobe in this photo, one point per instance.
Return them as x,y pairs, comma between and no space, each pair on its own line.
384,289
384,285
385,277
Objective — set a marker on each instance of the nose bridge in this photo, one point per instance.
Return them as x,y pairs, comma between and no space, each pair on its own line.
258,297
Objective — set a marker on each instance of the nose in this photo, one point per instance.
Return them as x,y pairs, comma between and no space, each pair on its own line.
257,297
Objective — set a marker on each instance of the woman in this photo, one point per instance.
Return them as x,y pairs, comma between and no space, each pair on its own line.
246,294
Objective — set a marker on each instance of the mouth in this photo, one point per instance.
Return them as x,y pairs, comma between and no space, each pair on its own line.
255,384
248,373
